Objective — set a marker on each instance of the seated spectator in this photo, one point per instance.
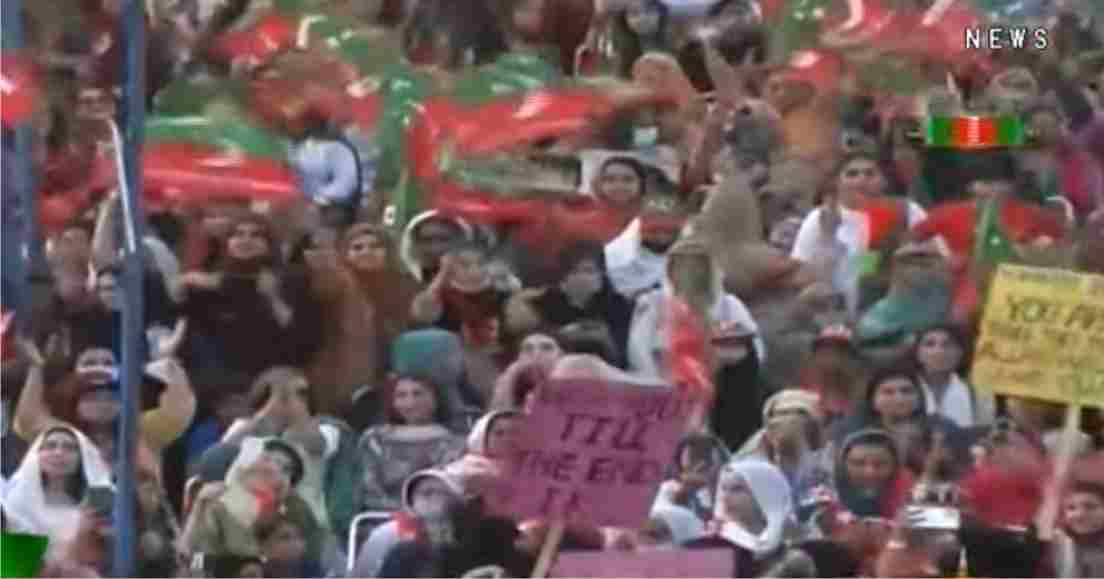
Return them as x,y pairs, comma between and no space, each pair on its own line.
412,436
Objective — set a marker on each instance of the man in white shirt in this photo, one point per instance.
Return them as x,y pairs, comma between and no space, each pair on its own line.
636,260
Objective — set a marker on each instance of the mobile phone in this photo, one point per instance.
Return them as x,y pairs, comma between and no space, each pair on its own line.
101,499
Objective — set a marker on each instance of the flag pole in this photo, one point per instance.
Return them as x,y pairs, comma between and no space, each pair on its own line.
132,121
21,248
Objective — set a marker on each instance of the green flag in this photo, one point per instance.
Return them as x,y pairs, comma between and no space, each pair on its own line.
21,555
992,246
799,28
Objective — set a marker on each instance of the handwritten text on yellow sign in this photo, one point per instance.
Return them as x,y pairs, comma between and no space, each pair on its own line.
1042,336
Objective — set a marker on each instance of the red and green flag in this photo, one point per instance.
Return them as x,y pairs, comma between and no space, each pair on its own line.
974,132
992,245
21,555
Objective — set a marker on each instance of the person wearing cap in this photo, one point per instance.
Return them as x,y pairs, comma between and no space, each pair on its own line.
919,297
792,434
262,481
636,261
833,372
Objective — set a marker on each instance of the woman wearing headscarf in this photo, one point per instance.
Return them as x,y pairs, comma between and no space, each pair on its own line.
582,291
485,463
46,491
867,480
752,514
284,404
698,460
792,435
413,435
261,481
248,294
464,299
451,534
939,354
89,399
439,357
365,298
895,403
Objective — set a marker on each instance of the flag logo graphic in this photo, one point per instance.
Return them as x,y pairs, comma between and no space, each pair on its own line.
21,555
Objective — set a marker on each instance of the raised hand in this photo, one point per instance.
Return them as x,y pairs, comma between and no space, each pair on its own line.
165,343
168,371
268,284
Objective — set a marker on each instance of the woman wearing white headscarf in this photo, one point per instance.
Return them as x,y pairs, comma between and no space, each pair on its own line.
752,513
485,461
262,481
46,490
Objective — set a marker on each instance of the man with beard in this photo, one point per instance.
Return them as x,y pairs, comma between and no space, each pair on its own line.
636,260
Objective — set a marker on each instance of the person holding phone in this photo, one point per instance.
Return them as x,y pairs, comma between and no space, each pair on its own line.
54,481
698,459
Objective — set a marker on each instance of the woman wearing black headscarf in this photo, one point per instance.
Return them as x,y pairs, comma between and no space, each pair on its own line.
583,291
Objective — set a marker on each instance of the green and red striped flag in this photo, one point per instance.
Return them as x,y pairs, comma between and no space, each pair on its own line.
973,132
21,555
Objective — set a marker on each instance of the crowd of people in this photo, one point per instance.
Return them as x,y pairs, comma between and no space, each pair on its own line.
333,385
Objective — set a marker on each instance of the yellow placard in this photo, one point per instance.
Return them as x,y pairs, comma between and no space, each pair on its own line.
1042,336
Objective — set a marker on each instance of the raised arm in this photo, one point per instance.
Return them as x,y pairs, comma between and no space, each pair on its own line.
428,306
175,410
105,244
32,414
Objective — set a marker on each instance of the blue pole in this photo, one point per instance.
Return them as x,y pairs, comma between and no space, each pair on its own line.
132,113
21,249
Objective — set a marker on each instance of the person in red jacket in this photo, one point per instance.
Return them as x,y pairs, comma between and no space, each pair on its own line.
995,178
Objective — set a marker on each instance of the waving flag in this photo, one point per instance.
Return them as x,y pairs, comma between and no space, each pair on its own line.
688,350
992,244
233,134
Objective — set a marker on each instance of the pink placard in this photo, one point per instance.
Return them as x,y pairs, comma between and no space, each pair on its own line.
657,564
594,451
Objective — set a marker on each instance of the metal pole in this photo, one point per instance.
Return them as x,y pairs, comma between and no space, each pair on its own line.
21,248
132,113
